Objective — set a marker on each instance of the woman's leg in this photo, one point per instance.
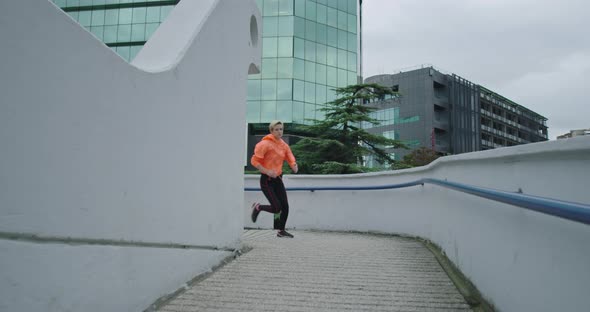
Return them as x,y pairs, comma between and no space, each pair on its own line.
281,194
269,189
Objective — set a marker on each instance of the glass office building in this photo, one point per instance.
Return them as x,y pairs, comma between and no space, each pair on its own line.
309,48
123,25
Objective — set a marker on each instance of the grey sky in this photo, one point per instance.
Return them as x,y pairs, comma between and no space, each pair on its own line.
534,52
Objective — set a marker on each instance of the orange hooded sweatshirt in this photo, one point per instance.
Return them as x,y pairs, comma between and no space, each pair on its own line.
270,152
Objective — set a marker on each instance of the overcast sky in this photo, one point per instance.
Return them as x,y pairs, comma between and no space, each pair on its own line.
533,52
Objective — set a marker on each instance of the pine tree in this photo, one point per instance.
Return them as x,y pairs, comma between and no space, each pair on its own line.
338,143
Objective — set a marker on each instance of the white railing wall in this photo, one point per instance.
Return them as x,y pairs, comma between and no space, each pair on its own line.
520,260
119,182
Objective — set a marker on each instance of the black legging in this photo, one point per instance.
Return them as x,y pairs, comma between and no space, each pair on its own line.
274,190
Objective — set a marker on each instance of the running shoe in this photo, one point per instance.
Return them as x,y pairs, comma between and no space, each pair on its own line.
283,233
255,211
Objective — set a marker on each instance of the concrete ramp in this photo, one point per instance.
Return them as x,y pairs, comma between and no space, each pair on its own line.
325,271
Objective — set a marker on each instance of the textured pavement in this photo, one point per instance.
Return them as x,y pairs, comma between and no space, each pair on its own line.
325,271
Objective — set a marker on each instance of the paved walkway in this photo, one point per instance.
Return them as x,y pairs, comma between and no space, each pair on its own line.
325,271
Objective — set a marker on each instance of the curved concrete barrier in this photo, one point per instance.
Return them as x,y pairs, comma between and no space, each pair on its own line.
520,260
106,167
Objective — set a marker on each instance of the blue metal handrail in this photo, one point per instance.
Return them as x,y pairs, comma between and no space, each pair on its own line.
568,210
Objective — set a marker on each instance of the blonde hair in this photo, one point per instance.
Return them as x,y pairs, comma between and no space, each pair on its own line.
273,124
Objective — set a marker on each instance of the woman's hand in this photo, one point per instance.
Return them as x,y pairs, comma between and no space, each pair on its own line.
271,173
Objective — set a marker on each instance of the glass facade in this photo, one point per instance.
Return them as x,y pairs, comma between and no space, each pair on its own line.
309,48
123,25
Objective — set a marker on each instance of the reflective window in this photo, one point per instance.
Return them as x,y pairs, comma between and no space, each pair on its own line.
342,59
139,15
285,111
342,78
284,89
298,69
285,48
352,6
310,10
268,110
271,8
125,16
97,18
299,48
332,37
300,8
322,14
310,30
309,71
321,34
351,61
309,92
352,42
285,7
152,15
253,89
110,34
138,32
320,73
331,56
299,27
352,23
285,68
320,94
332,76
342,39
321,54
268,89
124,33
112,17
126,27
342,20
269,67
285,26
309,111
298,112
253,111
84,18
352,78
310,51
270,26
269,47
332,17
298,90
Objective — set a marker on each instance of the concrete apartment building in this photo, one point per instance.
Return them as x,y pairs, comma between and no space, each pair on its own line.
574,133
451,115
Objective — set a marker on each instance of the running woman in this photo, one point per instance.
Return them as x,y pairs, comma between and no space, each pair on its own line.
268,158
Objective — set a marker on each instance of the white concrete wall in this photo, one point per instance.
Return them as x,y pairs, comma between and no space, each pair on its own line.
520,260
93,148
